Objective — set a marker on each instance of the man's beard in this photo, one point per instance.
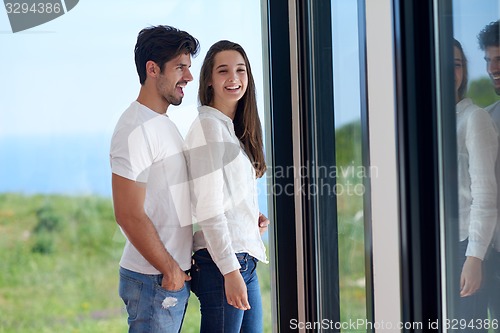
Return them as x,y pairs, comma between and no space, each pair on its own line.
175,101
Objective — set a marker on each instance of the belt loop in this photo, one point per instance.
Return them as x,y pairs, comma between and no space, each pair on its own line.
254,265
244,258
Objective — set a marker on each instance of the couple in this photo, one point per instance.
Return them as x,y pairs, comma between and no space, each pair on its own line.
157,178
479,167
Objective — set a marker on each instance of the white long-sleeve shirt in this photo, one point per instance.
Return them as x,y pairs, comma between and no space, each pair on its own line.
224,191
477,146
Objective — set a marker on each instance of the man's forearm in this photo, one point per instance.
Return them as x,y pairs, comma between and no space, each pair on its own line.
142,234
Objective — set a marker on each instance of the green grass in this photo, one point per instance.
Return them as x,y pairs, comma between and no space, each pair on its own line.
350,223
351,259
59,267
58,258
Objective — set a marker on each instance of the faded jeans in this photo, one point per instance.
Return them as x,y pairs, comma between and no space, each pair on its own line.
151,308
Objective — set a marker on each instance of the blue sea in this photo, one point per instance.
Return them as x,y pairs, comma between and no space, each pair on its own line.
63,164
72,165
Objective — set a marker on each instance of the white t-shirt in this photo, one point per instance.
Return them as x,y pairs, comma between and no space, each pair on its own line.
147,147
224,191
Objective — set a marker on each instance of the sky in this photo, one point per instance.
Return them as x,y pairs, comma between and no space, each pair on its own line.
345,49
75,75
64,84
469,18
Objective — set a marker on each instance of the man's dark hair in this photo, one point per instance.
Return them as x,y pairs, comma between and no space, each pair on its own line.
161,44
489,36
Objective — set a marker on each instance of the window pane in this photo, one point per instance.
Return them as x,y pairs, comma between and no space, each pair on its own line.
474,273
350,171
64,85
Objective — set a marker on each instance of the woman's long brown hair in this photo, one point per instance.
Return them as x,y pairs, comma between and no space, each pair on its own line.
462,90
246,120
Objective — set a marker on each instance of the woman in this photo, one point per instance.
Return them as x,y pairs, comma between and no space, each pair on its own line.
225,156
477,145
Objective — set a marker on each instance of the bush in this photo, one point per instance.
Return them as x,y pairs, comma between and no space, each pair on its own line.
44,243
48,220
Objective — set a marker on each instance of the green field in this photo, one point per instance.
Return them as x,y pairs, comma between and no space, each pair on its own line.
59,260
59,267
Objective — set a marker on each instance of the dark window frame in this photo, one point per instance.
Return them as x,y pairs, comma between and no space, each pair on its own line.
422,92
281,149
319,219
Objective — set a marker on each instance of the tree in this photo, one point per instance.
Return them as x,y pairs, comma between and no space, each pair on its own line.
481,92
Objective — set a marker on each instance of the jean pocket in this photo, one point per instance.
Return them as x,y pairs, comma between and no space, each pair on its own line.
130,292
170,306
172,291
175,300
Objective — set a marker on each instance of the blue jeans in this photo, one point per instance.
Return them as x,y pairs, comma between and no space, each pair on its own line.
150,307
492,285
216,314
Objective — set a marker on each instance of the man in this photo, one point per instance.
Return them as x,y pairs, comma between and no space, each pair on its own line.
150,189
489,42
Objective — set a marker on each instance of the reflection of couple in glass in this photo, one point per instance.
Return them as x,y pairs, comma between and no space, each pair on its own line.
479,180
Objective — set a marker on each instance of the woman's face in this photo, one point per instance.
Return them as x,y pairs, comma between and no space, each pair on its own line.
229,77
459,70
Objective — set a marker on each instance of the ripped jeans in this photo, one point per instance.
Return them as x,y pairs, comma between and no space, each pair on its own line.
151,308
